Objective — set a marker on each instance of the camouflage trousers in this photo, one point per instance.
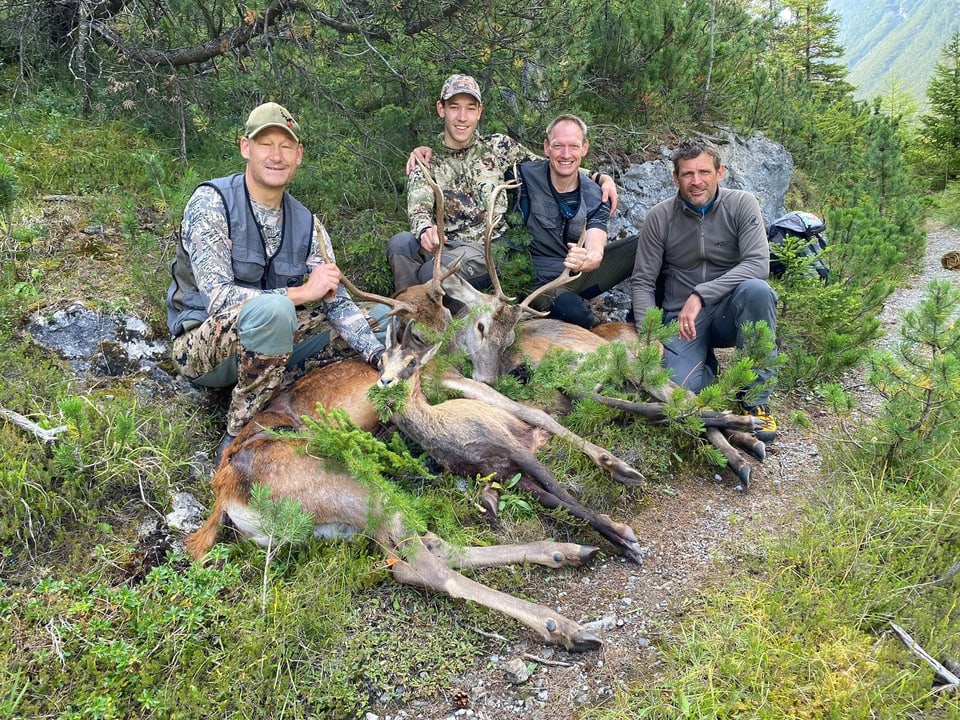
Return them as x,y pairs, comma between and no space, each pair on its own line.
412,265
211,355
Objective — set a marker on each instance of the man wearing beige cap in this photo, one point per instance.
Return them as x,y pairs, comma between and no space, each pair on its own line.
468,166
251,300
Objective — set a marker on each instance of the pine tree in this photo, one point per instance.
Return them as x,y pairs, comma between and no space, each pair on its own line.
807,45
941,128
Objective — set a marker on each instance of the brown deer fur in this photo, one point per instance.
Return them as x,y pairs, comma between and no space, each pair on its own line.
471,437
342,506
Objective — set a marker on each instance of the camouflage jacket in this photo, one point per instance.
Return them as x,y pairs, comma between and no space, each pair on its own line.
205,234
467,177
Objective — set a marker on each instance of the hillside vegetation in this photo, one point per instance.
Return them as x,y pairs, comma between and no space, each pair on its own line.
111,113
894,45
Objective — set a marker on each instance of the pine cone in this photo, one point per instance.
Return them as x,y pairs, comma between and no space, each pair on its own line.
951,260
460,699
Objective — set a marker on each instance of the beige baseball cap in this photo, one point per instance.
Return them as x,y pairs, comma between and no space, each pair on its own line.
271,115
457,84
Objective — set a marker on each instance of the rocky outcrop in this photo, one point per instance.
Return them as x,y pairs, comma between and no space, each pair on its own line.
755,164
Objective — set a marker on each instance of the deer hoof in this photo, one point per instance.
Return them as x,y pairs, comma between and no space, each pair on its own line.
588,553
583,641
628,476
490,502
744,477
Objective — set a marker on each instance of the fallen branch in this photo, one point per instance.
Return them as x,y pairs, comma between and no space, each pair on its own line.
950,681
46,436
951,574
544,661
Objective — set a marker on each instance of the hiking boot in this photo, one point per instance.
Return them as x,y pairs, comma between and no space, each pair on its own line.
767,431
225,442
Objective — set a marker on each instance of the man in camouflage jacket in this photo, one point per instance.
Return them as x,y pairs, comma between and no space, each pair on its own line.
467,168
252,301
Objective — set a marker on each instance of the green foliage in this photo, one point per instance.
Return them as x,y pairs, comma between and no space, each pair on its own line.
511,502
389,400
512,259
920,384
941,128
822,327
53,145
946,205
806,42
360,249
9,185
284,521
334,436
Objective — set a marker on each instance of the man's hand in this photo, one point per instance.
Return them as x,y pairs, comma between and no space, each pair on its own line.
688,317
582,259
322,283
608,191
430,239
424,153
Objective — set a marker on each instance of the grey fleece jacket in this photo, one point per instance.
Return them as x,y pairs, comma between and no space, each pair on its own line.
709,255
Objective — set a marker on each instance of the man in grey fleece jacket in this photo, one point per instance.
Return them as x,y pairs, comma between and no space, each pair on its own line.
710,246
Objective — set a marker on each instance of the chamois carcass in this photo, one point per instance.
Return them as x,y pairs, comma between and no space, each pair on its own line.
478,437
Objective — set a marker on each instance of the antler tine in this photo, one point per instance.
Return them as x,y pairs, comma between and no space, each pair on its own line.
438,274
488,239
396,305
562,279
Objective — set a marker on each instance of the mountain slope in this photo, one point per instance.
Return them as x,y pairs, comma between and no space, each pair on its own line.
889,42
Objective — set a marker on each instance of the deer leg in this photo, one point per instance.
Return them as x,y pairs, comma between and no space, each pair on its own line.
748,442
424,569
620,536
735,461
618,469
544,552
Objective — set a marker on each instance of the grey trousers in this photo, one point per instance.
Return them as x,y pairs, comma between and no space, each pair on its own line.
412,265
719,326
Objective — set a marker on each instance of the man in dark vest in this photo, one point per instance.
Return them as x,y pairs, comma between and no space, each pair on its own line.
251,297
467,166
557,199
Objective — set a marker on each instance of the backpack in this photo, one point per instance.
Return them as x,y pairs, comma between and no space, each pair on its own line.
800,233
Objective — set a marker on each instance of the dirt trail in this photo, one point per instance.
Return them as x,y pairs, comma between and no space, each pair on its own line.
698,531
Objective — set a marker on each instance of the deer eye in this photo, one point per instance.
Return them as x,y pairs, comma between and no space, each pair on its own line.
482,329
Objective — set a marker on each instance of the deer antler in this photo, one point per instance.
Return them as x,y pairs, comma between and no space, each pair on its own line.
439,275
562,279
398,306
490,221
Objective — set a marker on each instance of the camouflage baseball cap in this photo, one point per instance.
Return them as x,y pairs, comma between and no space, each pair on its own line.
457,84
271,115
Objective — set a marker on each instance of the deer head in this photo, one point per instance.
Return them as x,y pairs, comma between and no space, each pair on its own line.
491,320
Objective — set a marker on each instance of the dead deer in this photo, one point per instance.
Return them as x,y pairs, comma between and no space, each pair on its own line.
499,335
342,507
476,437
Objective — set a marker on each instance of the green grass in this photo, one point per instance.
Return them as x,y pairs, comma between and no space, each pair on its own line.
91,630
945,206
806,633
